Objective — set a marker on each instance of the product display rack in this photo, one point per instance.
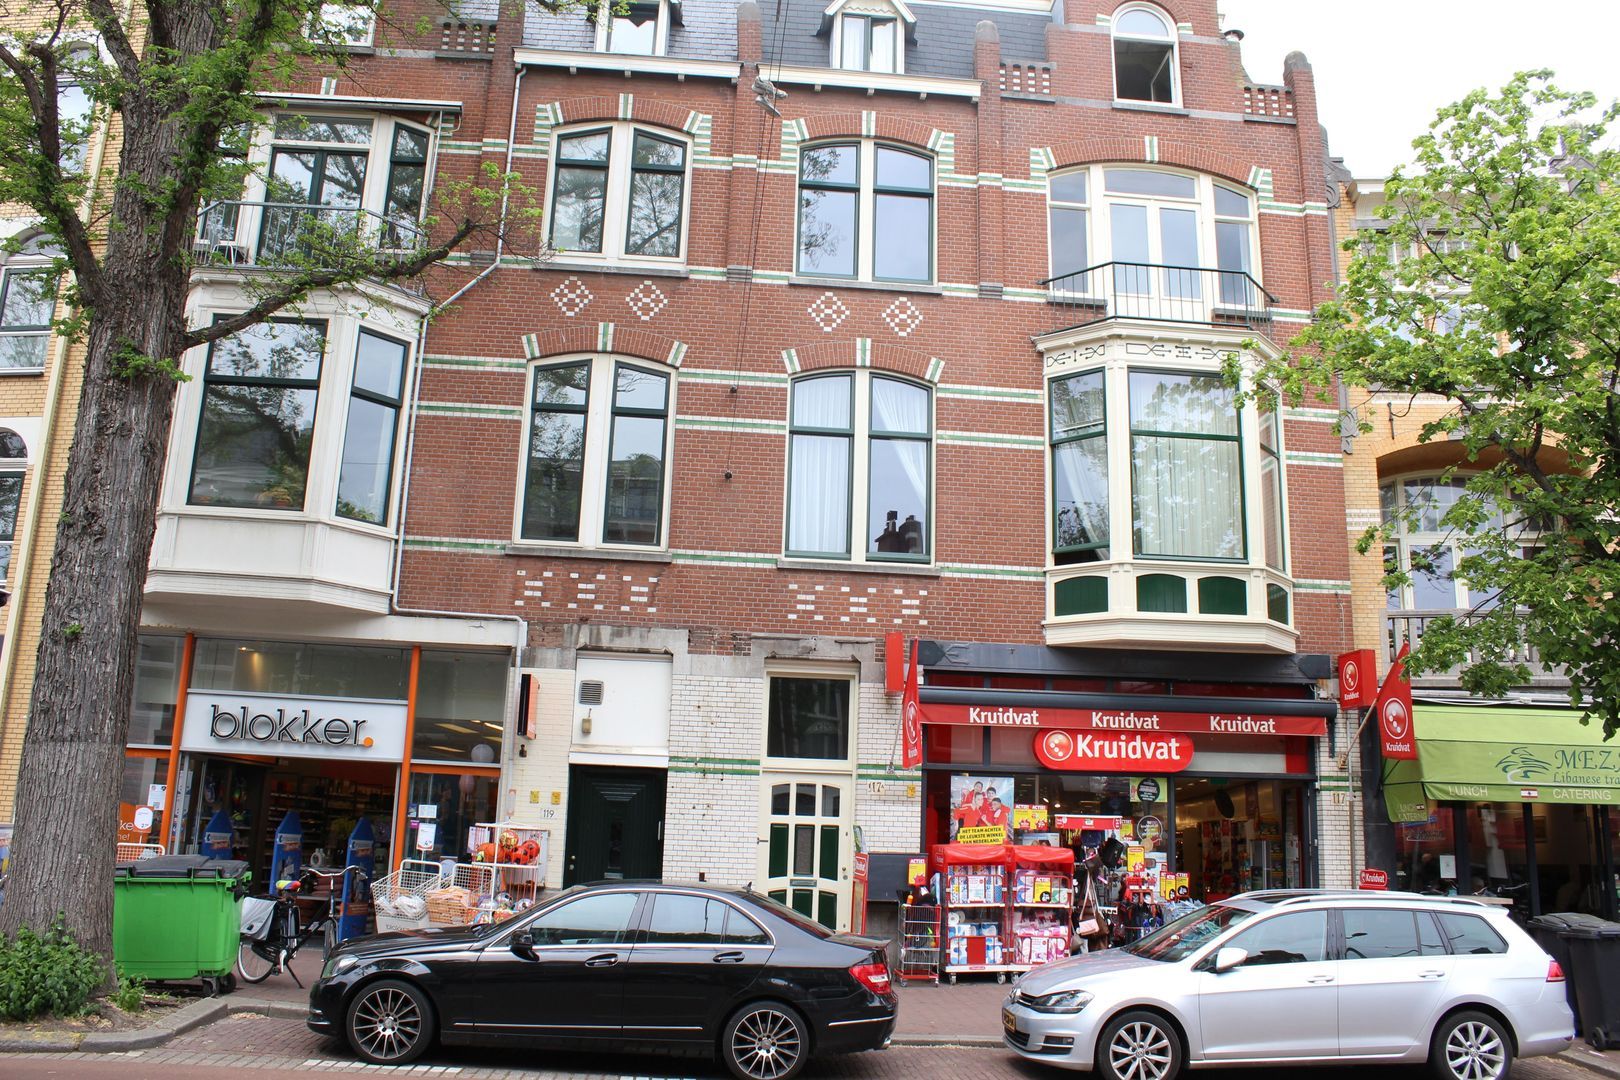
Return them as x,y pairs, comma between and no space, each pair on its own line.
1004,909
919,943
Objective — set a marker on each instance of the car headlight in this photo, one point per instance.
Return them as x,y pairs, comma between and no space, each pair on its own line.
338,965
1064,1001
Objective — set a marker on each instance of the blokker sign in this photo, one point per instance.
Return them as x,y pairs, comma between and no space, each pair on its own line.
1143,720
287,725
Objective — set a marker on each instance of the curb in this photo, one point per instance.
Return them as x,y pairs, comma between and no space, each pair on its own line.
184,1019
1584,1057
965,1042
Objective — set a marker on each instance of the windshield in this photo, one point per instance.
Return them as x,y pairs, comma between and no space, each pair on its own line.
1180,939
787,914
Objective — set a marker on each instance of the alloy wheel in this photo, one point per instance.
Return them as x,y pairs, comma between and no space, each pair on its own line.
387,1023
766,1044
1474,1051
1141,1051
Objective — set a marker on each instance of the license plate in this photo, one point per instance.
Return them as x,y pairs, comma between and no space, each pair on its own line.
1008,1023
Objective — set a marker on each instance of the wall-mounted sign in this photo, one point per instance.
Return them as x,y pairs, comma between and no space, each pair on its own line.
1394,708
1091,751
291,725
1085,822
1358,679
1124,720
1374,880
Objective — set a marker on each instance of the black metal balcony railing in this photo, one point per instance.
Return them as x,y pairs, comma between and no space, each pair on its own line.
1206,296
272,234
1401,626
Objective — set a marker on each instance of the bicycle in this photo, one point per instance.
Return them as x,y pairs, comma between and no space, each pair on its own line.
271,934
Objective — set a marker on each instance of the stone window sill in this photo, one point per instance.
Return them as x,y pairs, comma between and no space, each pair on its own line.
841,567
599,554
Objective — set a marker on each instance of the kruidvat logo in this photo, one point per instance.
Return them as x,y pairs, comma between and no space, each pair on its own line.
285,727
1004,716
1088,750
1352,678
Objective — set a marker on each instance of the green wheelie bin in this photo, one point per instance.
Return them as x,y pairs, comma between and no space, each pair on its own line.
178,917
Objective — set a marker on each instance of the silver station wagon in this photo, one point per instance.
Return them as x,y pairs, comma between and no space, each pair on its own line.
1301,977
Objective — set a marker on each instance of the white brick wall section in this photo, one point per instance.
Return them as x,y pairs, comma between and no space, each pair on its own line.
545,768
711,828
889,811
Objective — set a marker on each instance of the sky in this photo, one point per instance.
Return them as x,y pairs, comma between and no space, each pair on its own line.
1383,67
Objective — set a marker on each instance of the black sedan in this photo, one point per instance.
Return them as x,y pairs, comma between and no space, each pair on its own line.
622,966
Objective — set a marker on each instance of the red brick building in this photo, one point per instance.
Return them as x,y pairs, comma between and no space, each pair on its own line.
936,350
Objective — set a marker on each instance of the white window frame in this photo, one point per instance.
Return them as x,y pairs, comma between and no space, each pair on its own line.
1175,53
897,62
1099,232
861,471
604,27
329,434
341,19
598,446
245,235
616,206
1121,480
29,263
810,669
866,213
1405,538
17,467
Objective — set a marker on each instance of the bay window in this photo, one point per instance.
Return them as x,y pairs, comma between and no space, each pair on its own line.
1186,468
13,466
1079,469
619,191
599,438
866,211
258,416
262,442
858,439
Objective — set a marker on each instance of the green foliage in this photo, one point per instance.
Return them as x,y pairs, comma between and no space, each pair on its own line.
130,995
1510,308
52,974
128,362
72,630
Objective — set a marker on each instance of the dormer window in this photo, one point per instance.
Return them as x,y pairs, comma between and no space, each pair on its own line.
1145,56
635,29
868,35
867,43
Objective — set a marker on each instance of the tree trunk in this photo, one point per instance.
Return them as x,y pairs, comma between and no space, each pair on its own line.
73,750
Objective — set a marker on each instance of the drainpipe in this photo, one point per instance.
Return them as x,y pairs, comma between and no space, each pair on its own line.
520,626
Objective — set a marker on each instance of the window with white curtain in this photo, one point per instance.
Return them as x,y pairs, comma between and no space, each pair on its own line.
1186,467
860,457
1079,469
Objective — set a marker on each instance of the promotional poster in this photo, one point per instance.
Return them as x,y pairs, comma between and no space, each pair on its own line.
982,804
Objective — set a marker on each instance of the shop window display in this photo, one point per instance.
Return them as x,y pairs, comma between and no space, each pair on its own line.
157,683
449,804
460,706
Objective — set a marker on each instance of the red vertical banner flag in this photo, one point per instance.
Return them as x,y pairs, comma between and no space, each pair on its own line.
1394,708
911,749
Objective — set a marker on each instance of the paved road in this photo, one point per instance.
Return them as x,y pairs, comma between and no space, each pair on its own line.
285,1047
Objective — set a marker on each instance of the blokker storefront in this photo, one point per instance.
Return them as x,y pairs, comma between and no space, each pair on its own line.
249,734
1203,767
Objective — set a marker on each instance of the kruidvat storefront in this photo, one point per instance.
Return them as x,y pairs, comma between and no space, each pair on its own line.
242,732
1202,765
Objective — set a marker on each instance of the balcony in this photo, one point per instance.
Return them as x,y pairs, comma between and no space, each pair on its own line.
1157,604
279,235
1153,292
1400,626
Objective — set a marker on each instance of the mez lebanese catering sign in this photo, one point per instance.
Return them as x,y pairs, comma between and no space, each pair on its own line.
290,725
1146,721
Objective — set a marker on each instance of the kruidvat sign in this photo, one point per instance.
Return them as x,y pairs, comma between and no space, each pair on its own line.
1090,751
292,725
1142,720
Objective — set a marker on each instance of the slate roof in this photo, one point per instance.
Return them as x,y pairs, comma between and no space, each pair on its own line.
943,46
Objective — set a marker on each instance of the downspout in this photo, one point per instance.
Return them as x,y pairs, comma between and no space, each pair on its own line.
520,626
23,552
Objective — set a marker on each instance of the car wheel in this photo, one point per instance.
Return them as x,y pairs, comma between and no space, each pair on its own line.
1139,1046
390,1023
765,1041
1470,1046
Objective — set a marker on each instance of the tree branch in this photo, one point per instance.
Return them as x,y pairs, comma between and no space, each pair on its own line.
52,202
113,35
302,284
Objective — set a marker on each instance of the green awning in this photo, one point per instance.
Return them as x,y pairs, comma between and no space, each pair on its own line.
1474,753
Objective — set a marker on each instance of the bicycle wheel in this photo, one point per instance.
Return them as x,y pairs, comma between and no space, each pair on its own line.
256,960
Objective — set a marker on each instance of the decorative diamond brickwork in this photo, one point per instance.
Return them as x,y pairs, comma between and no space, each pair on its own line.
572,297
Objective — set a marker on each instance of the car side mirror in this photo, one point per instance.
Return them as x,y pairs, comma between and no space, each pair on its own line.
523,945
1228,958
